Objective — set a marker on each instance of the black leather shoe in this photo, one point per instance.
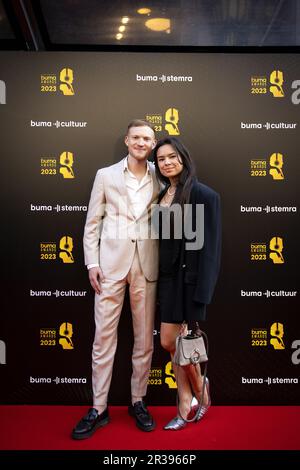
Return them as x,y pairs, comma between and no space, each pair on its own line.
143,419
90,423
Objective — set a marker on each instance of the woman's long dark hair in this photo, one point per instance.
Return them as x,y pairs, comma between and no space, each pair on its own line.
187,175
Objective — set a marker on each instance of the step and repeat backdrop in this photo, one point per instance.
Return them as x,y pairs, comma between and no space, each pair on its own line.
62,117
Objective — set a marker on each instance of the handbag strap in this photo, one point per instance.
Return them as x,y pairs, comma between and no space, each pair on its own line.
200,332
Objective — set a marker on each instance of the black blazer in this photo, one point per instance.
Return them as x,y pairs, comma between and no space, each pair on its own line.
195,271
202,266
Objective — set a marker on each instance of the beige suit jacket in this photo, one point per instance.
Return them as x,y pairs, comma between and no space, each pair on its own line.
112,232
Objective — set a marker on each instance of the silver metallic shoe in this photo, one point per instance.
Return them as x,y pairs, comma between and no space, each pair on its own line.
175,424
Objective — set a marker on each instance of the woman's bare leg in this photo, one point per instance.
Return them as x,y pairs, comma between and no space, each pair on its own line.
193,372
168,335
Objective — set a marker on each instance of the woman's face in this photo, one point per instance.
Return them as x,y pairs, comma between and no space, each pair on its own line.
169,162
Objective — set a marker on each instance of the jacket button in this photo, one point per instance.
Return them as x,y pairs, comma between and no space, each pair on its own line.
133,241
184,265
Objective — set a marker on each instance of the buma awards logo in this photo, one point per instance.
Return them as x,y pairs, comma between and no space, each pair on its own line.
57,336
261,337
59,83
272,167
273,337
163,376
168,121
50,166
63,250
263,251
272,84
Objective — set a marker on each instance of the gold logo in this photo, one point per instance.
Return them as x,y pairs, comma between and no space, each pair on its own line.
276,80
66,248
276,331
66,161
172,119
170,380
276,247
66,78
276,164
66,333
259,250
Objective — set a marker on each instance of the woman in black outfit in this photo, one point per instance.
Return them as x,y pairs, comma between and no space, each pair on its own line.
188,268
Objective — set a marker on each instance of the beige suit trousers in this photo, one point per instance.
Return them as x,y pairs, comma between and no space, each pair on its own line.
108,307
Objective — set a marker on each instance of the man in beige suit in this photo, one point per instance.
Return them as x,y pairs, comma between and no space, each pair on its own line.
119,251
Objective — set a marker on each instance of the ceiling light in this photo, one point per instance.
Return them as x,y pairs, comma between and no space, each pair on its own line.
144,11
122,28
119,36
125,19
158,24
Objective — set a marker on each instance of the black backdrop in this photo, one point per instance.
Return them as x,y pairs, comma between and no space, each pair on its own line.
233,112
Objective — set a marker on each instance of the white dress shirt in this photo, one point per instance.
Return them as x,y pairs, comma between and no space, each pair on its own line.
138,191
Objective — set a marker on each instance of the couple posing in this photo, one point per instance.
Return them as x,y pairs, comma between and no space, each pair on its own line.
121,198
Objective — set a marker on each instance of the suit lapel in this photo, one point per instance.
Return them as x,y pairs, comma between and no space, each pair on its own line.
118,178
119,183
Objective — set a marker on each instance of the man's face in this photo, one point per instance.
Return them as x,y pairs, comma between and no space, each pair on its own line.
140,141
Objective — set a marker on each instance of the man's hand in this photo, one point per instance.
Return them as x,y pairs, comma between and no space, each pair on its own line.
96,277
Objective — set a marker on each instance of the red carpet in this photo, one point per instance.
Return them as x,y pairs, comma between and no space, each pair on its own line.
223,428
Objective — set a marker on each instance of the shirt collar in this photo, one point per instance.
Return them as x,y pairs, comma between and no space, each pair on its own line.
125,165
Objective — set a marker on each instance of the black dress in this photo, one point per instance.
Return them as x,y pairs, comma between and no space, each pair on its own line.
186,280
